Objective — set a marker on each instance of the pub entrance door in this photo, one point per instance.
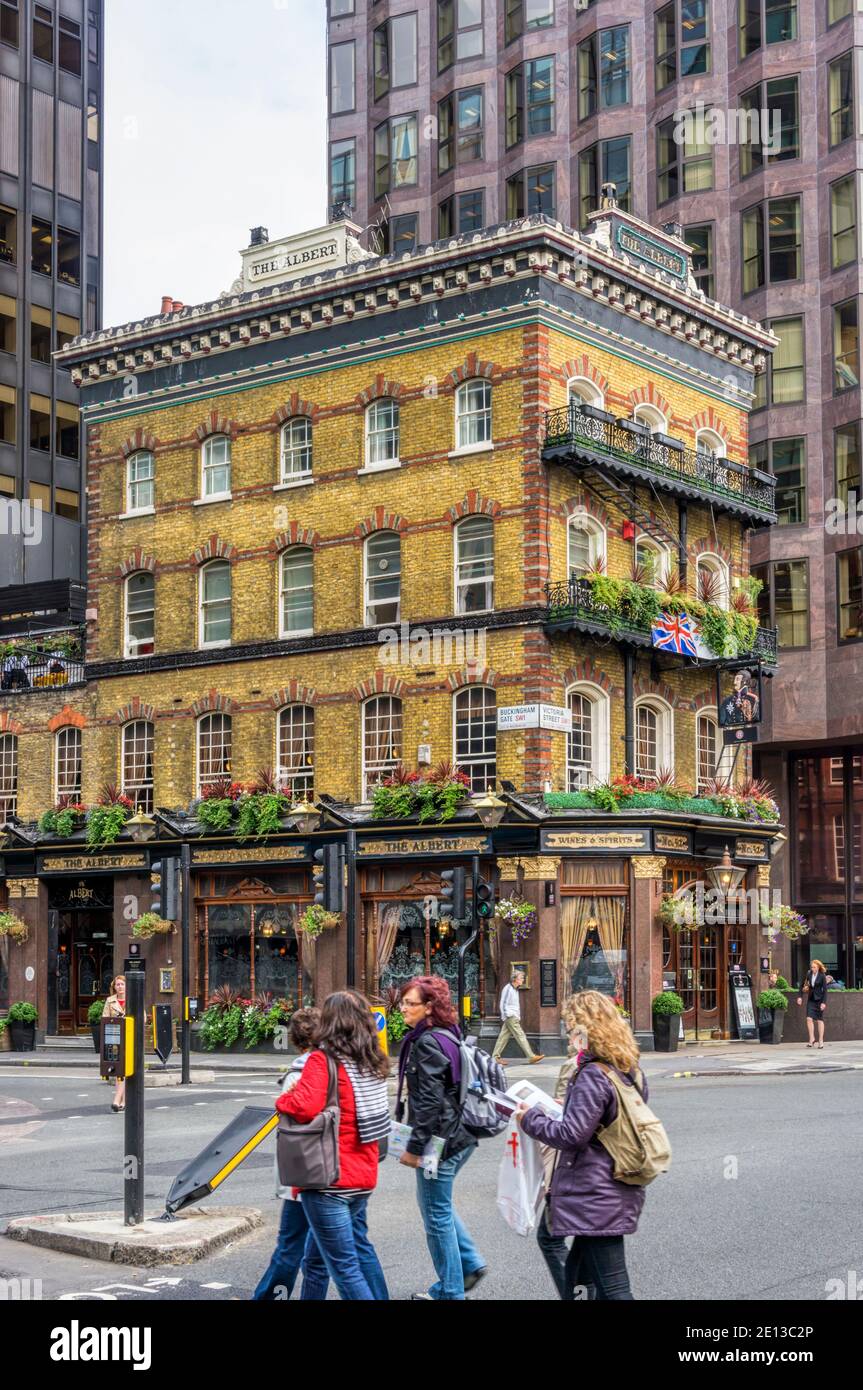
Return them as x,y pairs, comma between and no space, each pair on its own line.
82,914
698,957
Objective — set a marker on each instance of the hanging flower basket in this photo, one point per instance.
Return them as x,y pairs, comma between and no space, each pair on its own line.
316,920
151,924
13,927
785,920
520,917
678,914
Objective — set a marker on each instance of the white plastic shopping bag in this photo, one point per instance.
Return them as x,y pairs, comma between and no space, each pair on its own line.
520,1181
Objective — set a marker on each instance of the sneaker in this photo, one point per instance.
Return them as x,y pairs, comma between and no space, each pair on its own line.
421,1298
471,1280
540,1057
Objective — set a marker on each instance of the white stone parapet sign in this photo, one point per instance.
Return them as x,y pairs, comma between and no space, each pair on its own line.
324,248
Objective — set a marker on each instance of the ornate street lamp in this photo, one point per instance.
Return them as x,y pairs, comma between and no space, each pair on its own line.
304,817
489,808
726,876
141,827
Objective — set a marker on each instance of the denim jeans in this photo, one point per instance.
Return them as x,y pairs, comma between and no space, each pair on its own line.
601,1261
293,1239
344,1251
453,1252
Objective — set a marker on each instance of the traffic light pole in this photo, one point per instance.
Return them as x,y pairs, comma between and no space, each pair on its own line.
351,905
185,927
133,1162
464,1008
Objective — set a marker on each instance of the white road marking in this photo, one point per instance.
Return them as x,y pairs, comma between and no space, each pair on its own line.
214,1286
161,1107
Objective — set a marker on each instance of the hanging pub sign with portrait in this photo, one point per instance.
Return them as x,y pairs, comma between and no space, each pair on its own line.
741,707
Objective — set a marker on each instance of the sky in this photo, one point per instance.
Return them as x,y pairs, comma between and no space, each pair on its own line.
215,122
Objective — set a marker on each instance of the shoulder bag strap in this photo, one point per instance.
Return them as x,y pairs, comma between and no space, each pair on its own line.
333,1084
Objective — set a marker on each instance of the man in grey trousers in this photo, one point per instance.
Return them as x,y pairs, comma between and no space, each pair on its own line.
510,1013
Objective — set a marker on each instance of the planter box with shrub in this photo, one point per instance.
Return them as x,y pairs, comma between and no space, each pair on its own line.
667,1008
94,1018
22,1020
771,1005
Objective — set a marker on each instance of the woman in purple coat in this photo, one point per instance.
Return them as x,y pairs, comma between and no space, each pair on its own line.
586,1201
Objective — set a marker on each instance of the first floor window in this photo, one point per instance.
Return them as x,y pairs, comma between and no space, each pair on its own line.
382,740
138,764
141,481
297,751
296,449
8,777
216,460
851,595
214,750
215,617
587,744
475,565
140,615
297,598
382,433
586,546
713,584
67,778
476,736
654,751
383,578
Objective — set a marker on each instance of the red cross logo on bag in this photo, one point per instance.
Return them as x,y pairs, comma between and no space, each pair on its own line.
512,1143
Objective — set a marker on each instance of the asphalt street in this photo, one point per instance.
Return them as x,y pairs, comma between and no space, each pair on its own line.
732,1220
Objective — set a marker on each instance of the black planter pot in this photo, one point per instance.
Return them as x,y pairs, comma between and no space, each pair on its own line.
23,1036
666,1032
770,1025
96,1030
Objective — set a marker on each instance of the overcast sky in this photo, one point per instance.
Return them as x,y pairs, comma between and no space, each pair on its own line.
215,122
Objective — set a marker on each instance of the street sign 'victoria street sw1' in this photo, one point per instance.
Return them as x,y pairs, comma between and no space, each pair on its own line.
553,717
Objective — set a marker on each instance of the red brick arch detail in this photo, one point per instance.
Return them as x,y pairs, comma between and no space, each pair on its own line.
137,441
213,703
591,505
215,549
644,689
295,535
68,718
472,368
586,670
380,684
295,407
136,709
380,520
473,675
294,694
139,560
651,395
382,388
9,725
706,700
582,366
215,424
709,420
709,545
474,504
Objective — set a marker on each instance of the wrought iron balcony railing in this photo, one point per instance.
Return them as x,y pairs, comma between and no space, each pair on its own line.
50,662
620,445
574,604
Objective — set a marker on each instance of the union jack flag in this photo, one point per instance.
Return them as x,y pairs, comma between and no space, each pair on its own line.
676,632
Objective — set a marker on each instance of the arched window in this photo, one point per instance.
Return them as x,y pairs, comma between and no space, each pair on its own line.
137,781
587,747
382,434
296,600
582,391
473,414
474,565
216,467
214,750
215,605
711,759
713,584
296,449
383,578
67,764
140,482
8,777
587,545
652,417
709,442
382,739
475,736
296,759
653,560
654,738
140,615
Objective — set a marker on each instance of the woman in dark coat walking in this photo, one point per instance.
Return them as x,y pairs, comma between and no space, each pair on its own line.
586,1200
814,990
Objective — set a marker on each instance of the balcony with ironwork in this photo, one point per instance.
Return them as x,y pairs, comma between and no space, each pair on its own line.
573,606
584,437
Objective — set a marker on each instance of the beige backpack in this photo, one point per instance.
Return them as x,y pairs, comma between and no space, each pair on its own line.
636,1138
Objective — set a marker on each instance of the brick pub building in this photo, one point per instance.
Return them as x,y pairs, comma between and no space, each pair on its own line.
461,442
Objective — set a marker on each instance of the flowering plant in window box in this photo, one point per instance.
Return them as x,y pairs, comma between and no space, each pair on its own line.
435,796
13,927
105,820
151,924
520,917
64,819
316,919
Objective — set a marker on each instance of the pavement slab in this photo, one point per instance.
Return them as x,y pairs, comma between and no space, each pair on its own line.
103,1236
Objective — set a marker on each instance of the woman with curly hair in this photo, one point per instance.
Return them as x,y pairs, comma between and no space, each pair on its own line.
586,1201
430,1063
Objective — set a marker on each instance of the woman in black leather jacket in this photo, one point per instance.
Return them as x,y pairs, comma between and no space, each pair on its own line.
430,1064
814,988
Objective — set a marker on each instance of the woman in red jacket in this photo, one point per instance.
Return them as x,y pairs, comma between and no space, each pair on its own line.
337,1214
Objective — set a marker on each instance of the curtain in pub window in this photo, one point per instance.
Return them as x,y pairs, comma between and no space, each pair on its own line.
389,919
575,913
611,920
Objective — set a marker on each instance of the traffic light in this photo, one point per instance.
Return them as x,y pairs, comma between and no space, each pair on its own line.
329,877
452,895
165,888
484,905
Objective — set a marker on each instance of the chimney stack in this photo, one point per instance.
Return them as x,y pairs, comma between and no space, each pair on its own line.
167,304
178,305
259,236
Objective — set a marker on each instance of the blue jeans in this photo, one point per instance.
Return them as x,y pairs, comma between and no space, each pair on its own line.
293,1239
453,1252
344,1251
